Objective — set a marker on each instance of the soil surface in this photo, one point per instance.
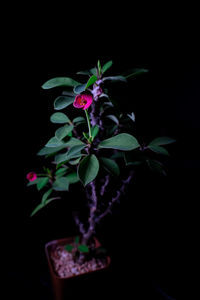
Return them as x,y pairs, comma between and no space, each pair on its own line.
65,266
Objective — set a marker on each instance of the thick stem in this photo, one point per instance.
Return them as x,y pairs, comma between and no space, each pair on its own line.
92,213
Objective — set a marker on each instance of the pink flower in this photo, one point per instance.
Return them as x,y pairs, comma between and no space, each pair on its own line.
83,101
31,176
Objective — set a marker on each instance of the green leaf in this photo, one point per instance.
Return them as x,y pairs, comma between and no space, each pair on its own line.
46,195
88,169
135,72
54,142
86,72
77,239
107,66
43,204
113,118
61,184
155,166
115,78
38,207
63,131
74,142
83,248
134,159
91,81
78,119
73,152
99,67
69,248
42,183
62,102
94,131
75,161
93,71
163,140
79,88
64,157
75,149
36,181
159,150
72,178
58,82
50,150
59,117
122,141
61,172
110,166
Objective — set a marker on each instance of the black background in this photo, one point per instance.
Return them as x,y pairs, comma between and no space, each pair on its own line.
154,231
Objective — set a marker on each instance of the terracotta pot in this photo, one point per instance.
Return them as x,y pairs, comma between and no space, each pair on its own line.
83,284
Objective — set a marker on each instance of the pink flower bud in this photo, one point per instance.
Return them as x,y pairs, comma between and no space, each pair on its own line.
31,176
83,101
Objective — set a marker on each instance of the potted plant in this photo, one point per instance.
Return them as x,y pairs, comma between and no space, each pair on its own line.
93,144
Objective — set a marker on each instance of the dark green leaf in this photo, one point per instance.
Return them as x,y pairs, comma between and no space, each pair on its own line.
91,81
156,166
79,88
42,183
50,150
83,248
99,67
36,181
115,78
74,161
163,140
107,66
38,207
54,142
77,239
113,118
122,141
110,166
61,184
58,82
94,131
63,131
74,142
86,72
69,248
135,72
61,172
93,71
62,102
79,120
46,195
88,169
72,178
59,117
159,150
75,150
64,157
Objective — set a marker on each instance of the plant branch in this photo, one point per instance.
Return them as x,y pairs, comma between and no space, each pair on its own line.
116,198
104,186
